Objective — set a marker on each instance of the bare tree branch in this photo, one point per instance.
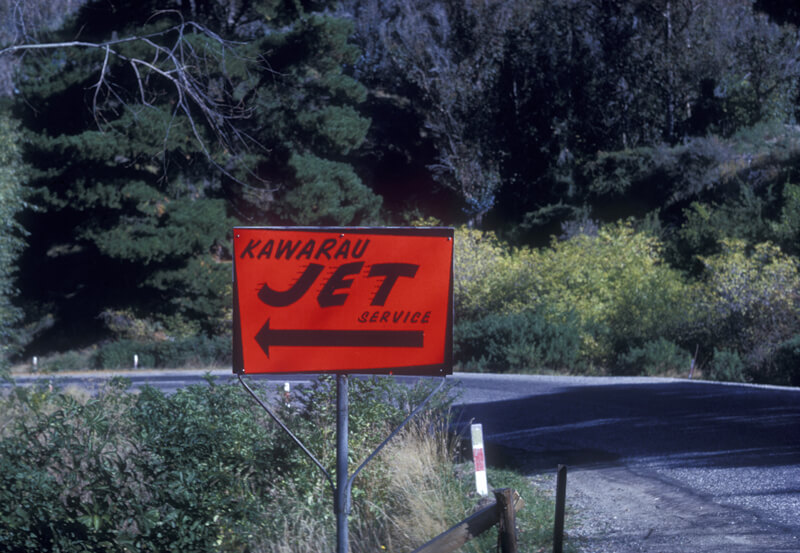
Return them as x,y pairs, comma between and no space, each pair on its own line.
454,83
175,60
99,85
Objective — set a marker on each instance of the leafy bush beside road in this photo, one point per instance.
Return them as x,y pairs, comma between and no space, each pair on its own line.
783,367
122,472
654,358
581,303
518,342
750,305
205,470
489,277
610,302
198,351
620,287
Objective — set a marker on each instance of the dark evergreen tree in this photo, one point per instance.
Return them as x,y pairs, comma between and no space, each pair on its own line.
138,166
11,235
306,115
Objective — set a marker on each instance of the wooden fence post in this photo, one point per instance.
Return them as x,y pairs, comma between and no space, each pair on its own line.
507,526
502,512
561,497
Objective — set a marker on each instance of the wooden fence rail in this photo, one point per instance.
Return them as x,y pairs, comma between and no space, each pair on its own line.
502,513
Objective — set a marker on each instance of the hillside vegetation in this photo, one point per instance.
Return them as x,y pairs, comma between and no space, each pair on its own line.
622,174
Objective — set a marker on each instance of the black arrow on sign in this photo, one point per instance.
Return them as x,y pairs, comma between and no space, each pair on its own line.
268,337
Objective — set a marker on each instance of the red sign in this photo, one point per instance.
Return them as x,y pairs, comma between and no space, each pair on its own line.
310,299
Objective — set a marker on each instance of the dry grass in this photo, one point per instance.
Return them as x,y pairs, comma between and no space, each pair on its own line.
420,464
303,533
420,495
402,499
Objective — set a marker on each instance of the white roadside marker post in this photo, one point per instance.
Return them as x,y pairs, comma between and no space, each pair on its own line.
135,361
479,458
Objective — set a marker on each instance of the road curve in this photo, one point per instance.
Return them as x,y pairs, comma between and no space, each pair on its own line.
661,465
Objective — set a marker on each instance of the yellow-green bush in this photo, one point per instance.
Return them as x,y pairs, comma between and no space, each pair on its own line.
750,300
614,287
521,309
489,277
619,286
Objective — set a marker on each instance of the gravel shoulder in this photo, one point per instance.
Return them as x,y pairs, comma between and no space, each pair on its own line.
620,510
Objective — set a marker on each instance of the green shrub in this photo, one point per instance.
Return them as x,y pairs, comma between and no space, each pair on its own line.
119,355
70,480
194,351
617,172
198,351
654,358
707,226
518,342
726,366
67,361
750,299
619,287
783,368
212,461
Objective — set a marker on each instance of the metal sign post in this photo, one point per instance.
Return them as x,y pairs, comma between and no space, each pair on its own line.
343,301
342,499
344,483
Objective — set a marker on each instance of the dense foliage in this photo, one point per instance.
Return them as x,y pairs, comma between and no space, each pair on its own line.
610,302
11,233
521,101
136,197
205,469
616,162
596,297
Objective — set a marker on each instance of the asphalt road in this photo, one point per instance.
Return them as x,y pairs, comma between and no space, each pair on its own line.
656,464
661,465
